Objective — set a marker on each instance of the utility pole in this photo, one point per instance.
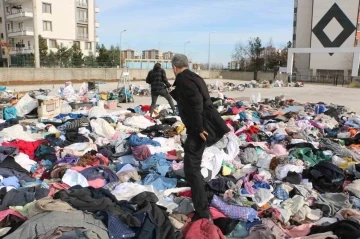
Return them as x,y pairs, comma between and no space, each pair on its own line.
36,36
120,48
209,52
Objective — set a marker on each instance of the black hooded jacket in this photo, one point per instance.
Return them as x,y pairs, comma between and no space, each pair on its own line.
158,81
195,107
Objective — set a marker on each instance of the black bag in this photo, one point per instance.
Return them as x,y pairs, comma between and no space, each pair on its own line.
327,177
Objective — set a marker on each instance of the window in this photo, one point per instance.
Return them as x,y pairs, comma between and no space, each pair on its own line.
82,15
2,35
47,26
29,46
0,19
46,8
52,44
82,32
21,24
88,46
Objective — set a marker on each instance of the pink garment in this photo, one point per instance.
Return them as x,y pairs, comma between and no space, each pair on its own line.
299,231
230,127
171,157
316,124
215,214
248,185
259,178
54,187
278,150
177,166
239,131
97,183
5,213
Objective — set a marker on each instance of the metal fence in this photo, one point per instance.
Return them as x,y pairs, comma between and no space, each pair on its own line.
324,79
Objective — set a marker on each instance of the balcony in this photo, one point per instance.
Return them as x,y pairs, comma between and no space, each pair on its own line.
97,24
83,36
83,20
15,1
97,39
21,32
97,9
81,3
19,14
18,50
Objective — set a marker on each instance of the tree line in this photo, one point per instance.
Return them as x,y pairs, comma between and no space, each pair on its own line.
254,56
73,56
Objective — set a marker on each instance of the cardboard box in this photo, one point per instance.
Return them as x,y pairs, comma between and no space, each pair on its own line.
49,108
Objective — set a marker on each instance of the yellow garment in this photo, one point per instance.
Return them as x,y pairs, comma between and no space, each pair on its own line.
226,170
346,165
180,129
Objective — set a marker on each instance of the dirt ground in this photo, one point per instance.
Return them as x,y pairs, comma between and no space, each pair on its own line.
310,93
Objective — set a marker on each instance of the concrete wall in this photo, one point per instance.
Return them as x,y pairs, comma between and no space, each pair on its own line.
337,61
303,34
42,75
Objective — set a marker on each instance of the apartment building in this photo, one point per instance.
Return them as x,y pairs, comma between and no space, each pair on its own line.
130,54
168,55
323,24
152,54
60,22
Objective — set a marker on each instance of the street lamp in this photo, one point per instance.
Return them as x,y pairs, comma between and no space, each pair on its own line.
185,46
209,51
120,47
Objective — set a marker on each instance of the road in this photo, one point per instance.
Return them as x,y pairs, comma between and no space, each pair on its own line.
310,93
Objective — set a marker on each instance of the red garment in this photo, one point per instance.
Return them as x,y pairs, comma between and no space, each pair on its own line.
185,194
9,212
253,129
236,110
172,152
215,214
202,229
145,108
25,147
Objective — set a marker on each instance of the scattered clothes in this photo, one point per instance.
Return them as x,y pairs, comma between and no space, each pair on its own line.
283,169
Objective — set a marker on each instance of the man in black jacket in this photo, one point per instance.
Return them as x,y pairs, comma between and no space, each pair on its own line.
204,127
159,84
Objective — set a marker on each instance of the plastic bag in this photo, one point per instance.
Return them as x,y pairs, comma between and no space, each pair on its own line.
25,105
83,89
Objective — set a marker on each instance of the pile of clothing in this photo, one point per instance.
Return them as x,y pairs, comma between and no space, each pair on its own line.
286,170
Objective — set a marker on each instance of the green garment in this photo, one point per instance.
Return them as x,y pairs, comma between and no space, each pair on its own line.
308,156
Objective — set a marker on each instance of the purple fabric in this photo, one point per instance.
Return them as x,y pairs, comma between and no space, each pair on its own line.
234,212
69,159
141,152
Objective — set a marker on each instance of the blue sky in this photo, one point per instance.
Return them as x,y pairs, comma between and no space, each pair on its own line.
168,24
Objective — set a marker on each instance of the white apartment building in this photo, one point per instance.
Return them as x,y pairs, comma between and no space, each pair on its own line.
325,23
60,22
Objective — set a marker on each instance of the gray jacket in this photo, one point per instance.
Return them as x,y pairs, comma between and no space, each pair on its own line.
46,223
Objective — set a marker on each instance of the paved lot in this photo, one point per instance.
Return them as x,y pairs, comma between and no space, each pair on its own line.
310,93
